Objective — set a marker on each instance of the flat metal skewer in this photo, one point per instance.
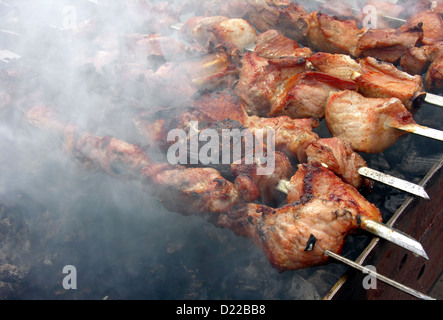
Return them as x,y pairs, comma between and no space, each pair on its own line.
420,130
381,230
434,99
392,181
378,276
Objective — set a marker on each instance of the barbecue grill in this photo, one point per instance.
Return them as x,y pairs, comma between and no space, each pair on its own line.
122,242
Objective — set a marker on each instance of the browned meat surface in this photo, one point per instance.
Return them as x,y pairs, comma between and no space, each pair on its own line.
439,7
220,30
337,65
415,60
340,158
432,25
366,122
320,206
434,76
261,78
388,44
271,45
428,60
305,95
292,136
193,191
331,34
383,80
282,15
284,233
313,180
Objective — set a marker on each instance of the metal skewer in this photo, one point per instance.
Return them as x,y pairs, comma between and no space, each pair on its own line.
434,99
383,231
378,276
420,130
394,182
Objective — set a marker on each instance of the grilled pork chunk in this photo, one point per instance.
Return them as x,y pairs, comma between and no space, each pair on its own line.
261,78
383,80
220,30
313,180
305,95
389,44
285,233
432,25
337,65
321,211
273,45
340,158
366,122
331,34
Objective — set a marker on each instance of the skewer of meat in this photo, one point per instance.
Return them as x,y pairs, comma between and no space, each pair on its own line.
328,204
294,137
371,125
375,79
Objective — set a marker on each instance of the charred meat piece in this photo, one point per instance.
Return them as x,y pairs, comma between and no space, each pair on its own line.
366,122
271,45
321,209
331,34
432,25
313,180
283,234
340,158
389,44
383,80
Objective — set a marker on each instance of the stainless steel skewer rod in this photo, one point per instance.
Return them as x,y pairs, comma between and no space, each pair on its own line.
421,130
434,99
378,229
392,181
378,276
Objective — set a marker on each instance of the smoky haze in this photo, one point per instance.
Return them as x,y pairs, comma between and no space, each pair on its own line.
55,212
78,58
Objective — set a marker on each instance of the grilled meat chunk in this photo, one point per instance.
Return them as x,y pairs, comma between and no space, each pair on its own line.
283,234
432,25
388,44
337,65
331,34
383,80
271,45
366,122
220,30
313,180
340,158
261,78
305,95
